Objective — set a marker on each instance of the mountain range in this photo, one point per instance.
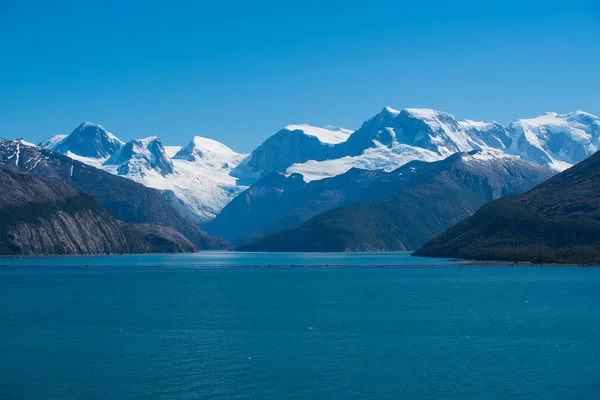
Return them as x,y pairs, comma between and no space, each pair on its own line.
303,174
403,208
205,175
194,178
123,198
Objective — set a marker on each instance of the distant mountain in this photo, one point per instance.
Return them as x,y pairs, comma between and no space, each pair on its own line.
39,216
203,150
139,156
427,198
556,222
195,179
202,177
251,213
124,199
428,129
88,140
293,144
51,142
393,137
556,140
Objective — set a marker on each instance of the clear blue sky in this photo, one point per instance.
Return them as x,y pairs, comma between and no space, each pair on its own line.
239,71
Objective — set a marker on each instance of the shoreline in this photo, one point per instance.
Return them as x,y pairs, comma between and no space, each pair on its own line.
458,264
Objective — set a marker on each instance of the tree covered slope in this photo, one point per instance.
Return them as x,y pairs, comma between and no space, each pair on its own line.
556,222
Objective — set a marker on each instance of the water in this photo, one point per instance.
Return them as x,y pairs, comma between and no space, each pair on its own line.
230,259
300,333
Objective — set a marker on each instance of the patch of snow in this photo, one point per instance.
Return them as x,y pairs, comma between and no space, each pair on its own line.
18,153
170,151
469,124
329,134
52,141
489,155
26,143
391,111
378,157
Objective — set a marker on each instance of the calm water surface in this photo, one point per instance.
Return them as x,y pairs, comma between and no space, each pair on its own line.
300,333
230,259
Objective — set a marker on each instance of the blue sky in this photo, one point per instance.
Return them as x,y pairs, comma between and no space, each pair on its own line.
239,71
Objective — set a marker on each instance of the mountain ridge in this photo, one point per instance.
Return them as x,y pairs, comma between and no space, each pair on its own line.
480,176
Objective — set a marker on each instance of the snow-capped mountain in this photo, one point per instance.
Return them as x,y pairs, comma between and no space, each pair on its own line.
556,140
275,203
392,137
208,151
88,140
386,141
195,178
52,141
419,127
292,144
203,176
139,156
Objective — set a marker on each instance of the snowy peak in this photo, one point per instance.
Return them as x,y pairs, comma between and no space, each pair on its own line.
51,141
290,145
556,140
140,156
420,127
433,130
204,149
329,134
89,140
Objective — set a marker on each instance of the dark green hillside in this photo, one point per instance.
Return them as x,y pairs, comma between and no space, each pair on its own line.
556,222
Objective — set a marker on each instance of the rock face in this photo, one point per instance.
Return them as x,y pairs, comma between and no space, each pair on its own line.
425,199
152,238
125,199
89,140
44,217
556,222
